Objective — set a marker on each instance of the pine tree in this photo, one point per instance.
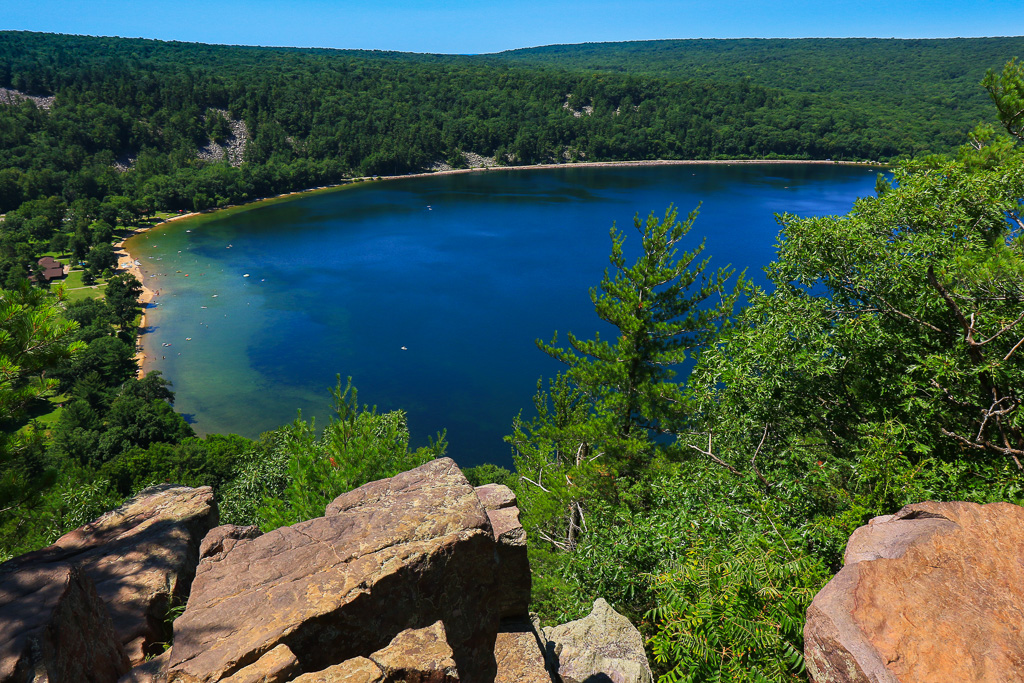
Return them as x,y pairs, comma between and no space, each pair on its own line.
666,306
599,420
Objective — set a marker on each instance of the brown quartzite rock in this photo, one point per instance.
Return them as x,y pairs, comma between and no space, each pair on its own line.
496,496
414,656
519,653
277,666
356,670
418,656
514,577
222,539
55,628
933,593
603,642
153,671
140,557
396,554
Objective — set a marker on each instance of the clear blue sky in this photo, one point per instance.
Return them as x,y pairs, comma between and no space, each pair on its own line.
476,26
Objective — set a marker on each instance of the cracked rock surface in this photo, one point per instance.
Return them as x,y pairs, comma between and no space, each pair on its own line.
396,554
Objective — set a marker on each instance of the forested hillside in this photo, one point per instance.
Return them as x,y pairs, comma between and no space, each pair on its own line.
928,89
318,115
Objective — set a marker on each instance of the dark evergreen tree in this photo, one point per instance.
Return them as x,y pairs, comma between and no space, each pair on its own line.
665,306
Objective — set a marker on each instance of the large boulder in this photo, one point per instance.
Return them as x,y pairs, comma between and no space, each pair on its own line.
418,656
933,593
55,628
414,656
519,652
602,646
514,580
396,554
141,558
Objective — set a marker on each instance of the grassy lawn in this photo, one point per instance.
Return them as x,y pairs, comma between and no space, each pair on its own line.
62,256
85,293
76,290
47,411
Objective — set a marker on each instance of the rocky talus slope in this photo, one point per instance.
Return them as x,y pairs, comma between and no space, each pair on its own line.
417,578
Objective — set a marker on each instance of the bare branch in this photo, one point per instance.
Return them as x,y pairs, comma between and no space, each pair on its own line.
893,309
531,481
944,293
1013,350
714,457
561,545
1008,327
987,445
753,460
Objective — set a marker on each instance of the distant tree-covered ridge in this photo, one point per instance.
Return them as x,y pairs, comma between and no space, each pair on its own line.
130,115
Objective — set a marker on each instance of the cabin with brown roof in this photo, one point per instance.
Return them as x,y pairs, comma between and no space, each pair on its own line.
52,268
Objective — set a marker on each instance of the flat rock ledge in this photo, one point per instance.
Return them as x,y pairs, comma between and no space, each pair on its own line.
934,593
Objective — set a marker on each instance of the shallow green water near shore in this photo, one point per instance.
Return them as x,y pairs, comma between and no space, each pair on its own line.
259,310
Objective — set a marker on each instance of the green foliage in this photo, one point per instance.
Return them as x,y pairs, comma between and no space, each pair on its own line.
888,349
33,338
488,473
917,94
100,258
553,460
663,309
358,445
210,461
260,472
734,613
122,298
59,503
1007,92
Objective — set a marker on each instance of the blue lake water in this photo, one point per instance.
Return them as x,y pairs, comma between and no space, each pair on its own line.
261,309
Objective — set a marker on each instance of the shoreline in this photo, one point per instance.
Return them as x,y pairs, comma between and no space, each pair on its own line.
604,164
126,264
126,261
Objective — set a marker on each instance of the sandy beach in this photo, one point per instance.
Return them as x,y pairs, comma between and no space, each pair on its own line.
126,263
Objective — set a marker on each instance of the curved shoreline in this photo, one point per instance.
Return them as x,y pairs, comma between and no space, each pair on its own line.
126,264
126,260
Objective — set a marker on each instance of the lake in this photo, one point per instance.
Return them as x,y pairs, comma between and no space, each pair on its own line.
429,292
